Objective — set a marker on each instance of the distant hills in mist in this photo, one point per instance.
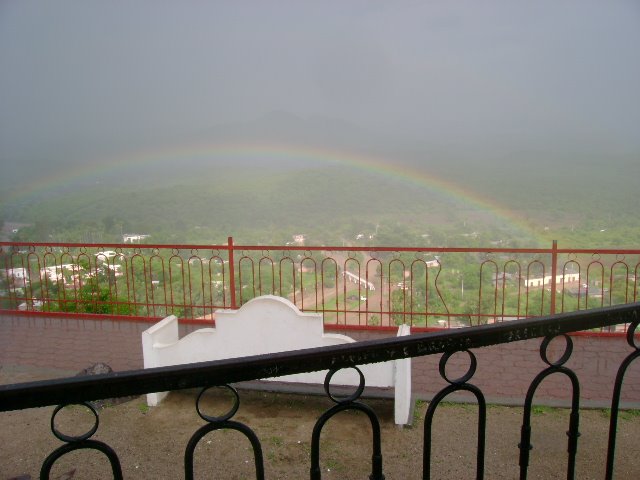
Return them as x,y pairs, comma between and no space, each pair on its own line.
546,184
454,154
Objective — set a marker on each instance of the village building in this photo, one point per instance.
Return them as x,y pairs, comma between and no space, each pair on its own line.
20,275
546,280
133,237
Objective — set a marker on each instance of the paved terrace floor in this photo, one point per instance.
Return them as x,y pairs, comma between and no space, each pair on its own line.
34,347
70,344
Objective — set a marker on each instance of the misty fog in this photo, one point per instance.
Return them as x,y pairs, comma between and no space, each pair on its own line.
193,121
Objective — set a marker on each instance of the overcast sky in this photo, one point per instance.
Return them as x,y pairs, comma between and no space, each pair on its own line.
107,72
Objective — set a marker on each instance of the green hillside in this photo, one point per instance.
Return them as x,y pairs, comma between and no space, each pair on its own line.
593,206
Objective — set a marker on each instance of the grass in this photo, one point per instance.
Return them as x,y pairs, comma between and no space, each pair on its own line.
542,409
417,411
628,414
332,464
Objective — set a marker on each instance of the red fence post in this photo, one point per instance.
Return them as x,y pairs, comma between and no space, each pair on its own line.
554,267
232,274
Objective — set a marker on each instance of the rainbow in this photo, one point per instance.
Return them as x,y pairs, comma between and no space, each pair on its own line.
265,152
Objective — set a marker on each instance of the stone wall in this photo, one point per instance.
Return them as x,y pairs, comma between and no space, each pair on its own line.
505,372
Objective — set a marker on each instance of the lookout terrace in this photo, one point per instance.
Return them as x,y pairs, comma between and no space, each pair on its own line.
480,330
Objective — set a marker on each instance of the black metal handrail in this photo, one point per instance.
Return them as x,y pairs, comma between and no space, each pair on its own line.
223,372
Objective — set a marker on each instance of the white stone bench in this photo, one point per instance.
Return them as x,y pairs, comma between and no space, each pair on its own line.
270,324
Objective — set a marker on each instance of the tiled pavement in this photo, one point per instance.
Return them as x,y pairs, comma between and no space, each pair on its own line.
70,345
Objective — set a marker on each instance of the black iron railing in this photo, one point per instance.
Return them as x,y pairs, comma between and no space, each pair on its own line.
80,390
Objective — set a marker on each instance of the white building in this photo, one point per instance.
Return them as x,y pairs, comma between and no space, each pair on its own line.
56,273
546,280
133,237
12,274
356,279
106,254
116,269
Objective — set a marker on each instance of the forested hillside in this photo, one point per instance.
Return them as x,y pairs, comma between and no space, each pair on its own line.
588,206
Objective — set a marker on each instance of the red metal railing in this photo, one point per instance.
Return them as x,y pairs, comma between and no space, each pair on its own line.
374,287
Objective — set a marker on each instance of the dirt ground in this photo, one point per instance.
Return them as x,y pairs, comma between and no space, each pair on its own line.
150,442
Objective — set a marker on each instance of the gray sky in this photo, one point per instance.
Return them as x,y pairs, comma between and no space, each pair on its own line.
529,73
